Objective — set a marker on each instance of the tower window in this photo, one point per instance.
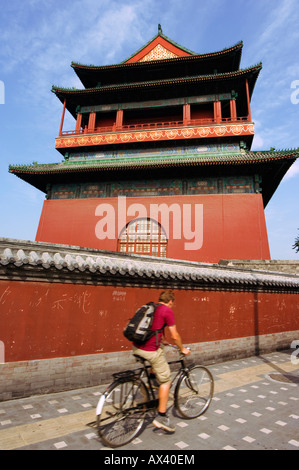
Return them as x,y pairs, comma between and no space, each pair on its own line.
143,237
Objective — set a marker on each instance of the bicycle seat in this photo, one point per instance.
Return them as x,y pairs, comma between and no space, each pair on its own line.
139,358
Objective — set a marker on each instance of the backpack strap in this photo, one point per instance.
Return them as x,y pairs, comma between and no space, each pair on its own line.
160,329
157,332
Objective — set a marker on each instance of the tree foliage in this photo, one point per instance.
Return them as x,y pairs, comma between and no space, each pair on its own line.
296,244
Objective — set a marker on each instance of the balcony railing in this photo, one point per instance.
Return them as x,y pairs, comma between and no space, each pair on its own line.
155,125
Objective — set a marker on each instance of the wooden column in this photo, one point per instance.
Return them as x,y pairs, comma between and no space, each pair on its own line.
62,118
91,122
248,101
78,123
186,114
217,112
119,118
233,110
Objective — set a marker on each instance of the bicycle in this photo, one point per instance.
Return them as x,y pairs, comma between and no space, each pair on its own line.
122,409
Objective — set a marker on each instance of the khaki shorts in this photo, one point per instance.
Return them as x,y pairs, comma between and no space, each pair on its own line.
158,362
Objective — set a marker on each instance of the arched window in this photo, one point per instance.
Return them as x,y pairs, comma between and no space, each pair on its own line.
143,237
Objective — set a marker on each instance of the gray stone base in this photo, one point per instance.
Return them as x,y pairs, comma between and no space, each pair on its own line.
27,378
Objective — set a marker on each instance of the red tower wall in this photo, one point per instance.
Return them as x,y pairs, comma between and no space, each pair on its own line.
229,226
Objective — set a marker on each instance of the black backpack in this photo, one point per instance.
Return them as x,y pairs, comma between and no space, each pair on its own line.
139,329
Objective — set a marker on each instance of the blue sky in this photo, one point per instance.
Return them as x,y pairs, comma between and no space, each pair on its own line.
40,38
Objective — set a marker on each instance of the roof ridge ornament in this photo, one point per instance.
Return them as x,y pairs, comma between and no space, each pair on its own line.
160,29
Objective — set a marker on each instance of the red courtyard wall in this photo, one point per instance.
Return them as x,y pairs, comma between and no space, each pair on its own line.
40,320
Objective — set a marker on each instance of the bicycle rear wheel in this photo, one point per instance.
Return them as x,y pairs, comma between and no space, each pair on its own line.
121,412
194,392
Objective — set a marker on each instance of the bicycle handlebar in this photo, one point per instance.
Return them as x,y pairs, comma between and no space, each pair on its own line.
176,347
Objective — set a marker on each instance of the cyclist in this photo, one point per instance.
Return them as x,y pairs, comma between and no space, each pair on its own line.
153,352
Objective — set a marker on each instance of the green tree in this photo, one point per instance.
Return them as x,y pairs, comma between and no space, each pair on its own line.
296,244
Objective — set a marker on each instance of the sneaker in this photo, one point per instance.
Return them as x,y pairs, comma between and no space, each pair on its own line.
163,422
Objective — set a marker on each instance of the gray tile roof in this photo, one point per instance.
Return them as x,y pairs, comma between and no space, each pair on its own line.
137,161
43,258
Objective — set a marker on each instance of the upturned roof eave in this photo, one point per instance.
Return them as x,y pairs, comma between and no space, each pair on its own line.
193,56
172,81
89,74
249,157
272,165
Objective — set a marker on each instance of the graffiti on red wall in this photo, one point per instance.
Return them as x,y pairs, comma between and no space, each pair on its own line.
43,320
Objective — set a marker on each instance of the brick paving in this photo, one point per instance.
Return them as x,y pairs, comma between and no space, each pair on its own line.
255,407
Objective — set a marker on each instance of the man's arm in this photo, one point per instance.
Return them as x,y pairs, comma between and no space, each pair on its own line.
177,339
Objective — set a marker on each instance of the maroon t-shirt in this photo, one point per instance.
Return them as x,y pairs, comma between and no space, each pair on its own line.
163,317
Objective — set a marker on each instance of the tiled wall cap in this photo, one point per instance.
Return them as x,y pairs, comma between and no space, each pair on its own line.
67,258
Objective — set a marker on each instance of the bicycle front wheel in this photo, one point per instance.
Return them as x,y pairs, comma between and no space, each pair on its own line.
121,412
194,392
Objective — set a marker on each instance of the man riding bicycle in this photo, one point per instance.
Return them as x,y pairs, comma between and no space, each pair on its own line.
153,352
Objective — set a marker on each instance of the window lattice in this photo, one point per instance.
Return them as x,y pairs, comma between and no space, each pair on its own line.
143,237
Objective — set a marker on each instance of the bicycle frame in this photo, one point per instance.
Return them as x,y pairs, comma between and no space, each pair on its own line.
138,374
145,369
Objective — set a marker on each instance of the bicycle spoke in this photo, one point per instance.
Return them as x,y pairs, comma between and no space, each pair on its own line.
194,392
123,412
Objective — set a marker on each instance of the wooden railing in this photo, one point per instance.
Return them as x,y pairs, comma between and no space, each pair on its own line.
155,125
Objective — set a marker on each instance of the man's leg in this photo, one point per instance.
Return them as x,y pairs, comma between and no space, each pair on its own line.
163,397
160,367
164,377
162,420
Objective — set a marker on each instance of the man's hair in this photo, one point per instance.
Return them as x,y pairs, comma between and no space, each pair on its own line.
166,296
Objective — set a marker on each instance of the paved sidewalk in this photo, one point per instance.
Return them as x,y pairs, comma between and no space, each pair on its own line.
255,406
